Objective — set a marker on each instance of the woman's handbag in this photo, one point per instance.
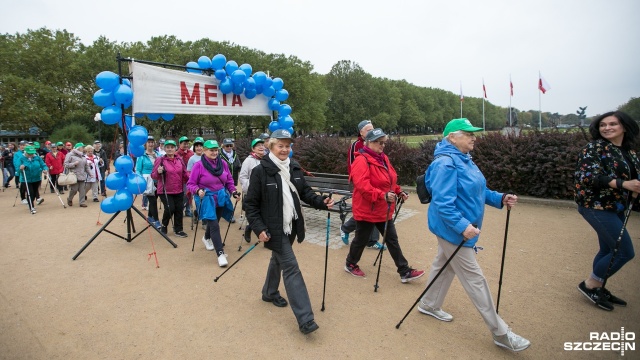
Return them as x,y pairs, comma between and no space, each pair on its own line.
67,178
151,186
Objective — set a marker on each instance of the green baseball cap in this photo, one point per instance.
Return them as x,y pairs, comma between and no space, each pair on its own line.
30,149
59,143
184,138
256,142
169,142
36,144
78,145
462,124
211,144
198,140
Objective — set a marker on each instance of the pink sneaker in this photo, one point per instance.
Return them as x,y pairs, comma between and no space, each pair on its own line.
353,270
411,275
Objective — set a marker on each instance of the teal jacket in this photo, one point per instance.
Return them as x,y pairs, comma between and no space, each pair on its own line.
33,168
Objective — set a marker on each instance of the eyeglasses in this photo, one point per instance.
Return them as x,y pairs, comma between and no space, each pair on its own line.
228,146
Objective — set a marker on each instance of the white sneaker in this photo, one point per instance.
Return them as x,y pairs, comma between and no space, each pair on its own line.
33,211
222,260
436,313
39,201
511,341
24,202
208,243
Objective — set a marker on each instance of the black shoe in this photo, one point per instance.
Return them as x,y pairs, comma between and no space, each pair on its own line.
594,297
279,301
233,220
164,230
613,299
53,191
309,327
247,238
61,192
181,234
96,200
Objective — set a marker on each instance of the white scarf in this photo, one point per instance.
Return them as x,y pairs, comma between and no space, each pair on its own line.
288,208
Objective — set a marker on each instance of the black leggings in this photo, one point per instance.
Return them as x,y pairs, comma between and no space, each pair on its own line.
213,231
33,192
173,208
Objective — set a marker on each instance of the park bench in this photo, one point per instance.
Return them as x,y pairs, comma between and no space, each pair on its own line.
336,185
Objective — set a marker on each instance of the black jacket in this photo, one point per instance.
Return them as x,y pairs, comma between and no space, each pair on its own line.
263,201
233,168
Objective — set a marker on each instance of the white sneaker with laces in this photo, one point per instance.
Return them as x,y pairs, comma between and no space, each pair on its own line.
436,313
208,243
24,202
222,260
39,201
511,341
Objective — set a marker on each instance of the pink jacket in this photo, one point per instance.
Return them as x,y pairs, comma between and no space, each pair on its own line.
175,174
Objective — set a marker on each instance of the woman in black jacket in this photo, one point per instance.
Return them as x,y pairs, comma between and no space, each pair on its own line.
276,217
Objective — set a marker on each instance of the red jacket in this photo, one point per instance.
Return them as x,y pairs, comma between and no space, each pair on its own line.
175,173
55,163
371,182
185,155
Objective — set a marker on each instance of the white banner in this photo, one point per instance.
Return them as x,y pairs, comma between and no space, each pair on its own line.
161,91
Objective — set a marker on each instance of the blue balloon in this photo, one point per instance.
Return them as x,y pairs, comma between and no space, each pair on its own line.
250,83
107,80
284,110
282,95
259,77
126,82
273,104
285,122
124,164
108,206
278,84
220,74
135,150
116,181
204,62
290,130
193,64
290,153
138,135
230,67
138,115
111,115
238,89
153,117
250,93
273,126
238,77
247,69
103,98
128,121
259,89
269,91
226,86
267,82
123,199
136,184
167,117
123,94
218,62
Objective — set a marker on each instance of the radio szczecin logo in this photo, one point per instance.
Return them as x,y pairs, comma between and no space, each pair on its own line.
606,341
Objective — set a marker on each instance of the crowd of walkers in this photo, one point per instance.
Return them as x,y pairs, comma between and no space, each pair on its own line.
206,179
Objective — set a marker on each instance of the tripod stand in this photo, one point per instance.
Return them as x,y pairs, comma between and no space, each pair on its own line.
130,227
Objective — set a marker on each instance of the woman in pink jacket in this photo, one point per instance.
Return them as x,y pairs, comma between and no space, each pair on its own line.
171,173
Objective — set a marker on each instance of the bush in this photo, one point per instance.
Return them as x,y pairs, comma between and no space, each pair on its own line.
74,133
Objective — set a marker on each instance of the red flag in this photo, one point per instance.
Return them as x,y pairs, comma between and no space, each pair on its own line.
543,85
484,89
511,86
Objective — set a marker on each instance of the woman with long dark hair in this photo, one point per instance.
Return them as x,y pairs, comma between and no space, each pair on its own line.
607,183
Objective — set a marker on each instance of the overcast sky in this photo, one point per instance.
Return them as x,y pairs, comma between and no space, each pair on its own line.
587,50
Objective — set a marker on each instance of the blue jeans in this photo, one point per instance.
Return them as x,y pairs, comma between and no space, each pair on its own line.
607,225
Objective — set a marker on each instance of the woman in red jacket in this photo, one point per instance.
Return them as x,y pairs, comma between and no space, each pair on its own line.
55,162
375,190
171,173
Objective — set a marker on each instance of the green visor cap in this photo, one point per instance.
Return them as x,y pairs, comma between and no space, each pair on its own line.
170,142
198,140
30,150
211,144
78,145
184,138
256,142
462,124
59,143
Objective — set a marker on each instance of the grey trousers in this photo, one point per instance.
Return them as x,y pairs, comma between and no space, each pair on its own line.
284,261
465,266
78,187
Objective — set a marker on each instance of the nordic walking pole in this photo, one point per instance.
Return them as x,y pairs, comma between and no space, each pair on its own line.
384,237
164,190
26,184
615,249
326,256
17,193
229,225
197,219
240,258
504,250
400,201
56,190
432,281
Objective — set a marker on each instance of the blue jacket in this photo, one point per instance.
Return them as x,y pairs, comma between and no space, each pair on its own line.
459,193
33,168
211,200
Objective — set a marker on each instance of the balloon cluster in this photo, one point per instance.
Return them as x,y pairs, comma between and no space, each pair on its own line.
240,80
126,183
113,94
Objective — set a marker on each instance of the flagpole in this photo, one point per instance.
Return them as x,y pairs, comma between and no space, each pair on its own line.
510,96
539,103
484,94
461,97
